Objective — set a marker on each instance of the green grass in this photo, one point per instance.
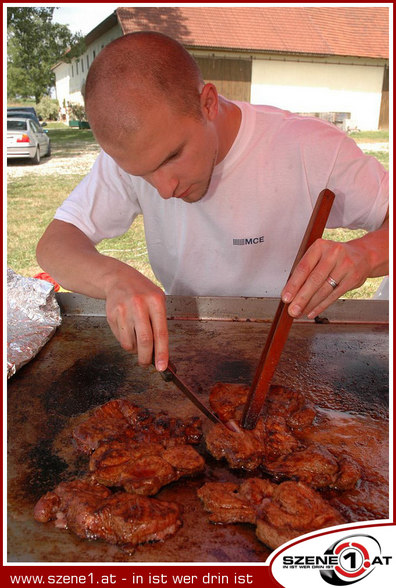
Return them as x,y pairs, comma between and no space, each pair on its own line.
33,199
371,136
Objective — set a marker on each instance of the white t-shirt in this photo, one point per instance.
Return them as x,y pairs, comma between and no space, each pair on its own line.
242,237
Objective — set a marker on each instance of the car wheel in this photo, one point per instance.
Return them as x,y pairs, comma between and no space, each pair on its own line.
49,150
37,158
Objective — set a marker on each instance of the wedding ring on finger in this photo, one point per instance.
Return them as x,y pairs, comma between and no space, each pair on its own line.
332,282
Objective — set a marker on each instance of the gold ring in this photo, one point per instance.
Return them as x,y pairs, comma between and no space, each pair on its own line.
332,282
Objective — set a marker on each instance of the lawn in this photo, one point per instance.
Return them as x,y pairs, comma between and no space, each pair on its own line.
33,196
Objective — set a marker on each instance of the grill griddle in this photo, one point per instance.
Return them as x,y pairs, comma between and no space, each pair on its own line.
341,366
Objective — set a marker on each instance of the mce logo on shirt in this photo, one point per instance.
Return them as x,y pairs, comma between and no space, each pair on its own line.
248,241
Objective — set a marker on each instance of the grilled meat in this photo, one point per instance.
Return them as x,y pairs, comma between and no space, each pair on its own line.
317,467
276,443
280,513
228,401
293,510
122,418
91,511
143,468
241,449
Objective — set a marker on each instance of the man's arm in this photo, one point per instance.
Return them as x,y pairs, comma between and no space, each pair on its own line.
349,264
135,307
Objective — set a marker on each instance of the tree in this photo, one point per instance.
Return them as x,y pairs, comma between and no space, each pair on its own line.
34,45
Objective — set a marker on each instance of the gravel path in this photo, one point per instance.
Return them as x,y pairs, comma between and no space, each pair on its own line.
61,162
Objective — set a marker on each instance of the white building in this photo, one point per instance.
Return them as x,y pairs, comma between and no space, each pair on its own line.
332,62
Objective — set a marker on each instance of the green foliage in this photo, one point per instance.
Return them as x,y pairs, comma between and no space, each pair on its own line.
34,45
76,111
48,108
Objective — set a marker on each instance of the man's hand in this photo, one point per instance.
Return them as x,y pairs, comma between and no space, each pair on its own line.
135,307
136,314
329,269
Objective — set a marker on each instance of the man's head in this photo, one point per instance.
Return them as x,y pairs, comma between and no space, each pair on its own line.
147,104
134,72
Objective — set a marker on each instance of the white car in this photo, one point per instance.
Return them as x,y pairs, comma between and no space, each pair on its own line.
25,138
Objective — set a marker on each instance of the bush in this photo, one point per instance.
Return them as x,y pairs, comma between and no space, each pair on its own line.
76,111
48,108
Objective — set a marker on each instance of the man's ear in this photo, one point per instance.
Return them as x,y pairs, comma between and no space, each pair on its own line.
209,101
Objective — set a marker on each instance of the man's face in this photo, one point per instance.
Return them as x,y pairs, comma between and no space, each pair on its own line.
174,153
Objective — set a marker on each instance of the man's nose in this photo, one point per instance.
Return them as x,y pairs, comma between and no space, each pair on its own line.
166,183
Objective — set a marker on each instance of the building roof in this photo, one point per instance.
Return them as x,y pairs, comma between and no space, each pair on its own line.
340,31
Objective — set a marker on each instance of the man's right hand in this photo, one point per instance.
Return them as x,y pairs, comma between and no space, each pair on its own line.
135,307
136,314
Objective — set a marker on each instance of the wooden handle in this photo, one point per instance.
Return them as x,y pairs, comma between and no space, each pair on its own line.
282,321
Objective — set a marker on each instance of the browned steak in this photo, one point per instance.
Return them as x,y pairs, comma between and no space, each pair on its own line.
91,511
142,468
275,443
123,418
280,513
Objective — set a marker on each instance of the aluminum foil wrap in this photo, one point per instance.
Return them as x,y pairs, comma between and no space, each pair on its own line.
33,315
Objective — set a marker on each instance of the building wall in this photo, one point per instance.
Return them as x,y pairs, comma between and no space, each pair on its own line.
70,77
352,87
322,87
232,77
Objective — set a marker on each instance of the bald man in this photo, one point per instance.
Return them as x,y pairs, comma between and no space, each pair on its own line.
226,190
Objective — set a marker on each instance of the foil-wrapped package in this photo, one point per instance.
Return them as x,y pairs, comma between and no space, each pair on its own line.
33,315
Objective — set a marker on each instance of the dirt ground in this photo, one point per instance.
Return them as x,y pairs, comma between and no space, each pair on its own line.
62,162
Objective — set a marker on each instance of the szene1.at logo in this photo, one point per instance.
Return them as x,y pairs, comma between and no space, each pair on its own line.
355,557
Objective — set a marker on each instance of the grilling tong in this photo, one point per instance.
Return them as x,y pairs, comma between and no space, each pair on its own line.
276,338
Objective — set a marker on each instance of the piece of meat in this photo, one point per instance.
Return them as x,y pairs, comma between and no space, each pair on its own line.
247,450
74,497
276,437
169,431
317,467
123,418
280,512
293,510
140,468
91,511
228,401
241,449
107,422
273,444
225,503
291,405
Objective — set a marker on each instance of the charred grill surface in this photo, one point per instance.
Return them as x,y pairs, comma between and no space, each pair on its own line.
341,368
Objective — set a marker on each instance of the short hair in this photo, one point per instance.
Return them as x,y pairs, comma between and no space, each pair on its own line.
154,66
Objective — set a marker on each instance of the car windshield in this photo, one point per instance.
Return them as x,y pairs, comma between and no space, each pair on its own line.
20,115
16,125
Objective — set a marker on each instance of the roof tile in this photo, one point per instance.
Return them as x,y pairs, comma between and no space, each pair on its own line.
343,31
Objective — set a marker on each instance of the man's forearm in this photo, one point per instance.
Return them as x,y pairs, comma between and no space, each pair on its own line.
73,261
374,249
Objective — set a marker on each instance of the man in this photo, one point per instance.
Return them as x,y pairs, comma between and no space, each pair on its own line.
226,191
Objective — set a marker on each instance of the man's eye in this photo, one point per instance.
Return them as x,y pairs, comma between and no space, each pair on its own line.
173,156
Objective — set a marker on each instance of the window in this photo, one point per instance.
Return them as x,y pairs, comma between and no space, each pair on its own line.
87,61
77,67
94,54
16,125
72,71
82,65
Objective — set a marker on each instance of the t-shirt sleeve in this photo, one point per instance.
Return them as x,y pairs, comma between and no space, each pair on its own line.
361,185
104,204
